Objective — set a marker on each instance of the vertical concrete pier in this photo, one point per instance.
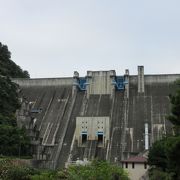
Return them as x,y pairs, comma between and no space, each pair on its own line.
126,77
140,79
146,136
100,82
75,81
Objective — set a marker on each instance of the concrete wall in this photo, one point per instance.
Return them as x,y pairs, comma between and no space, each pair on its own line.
100,82
155,78
53,130
43,82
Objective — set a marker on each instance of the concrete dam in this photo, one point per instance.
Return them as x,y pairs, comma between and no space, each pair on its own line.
100,116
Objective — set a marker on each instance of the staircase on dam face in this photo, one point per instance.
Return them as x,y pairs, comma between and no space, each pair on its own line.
59,137
117,128
55,114
52,111
69,133
44,104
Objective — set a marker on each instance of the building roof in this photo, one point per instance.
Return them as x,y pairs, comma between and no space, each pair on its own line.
137,159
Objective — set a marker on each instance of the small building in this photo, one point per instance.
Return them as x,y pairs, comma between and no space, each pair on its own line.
92,128
136,167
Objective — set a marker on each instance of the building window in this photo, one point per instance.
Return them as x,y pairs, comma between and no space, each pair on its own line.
145,165
133,166
126,165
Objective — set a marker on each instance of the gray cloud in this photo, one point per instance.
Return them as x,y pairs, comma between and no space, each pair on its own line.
54,38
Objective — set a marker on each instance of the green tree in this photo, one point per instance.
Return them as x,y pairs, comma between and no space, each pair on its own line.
164,155
10,169
97,170
157,155
8,101
8,67
14,141
158,174
174,117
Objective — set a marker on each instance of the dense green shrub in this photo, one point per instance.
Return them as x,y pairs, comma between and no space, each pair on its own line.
45,175
97,170
158,174
9,170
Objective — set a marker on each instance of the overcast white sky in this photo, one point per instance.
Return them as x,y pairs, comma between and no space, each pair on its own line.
52,38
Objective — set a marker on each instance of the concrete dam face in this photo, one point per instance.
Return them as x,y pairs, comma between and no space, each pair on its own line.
102,115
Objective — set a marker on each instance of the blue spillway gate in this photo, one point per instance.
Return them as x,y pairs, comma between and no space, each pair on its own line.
82,84
119,83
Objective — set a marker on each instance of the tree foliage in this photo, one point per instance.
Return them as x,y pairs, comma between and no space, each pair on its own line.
97,170
164,155
174,117
11,170
158,174
8,100
11,137
14,141
157,155
8,67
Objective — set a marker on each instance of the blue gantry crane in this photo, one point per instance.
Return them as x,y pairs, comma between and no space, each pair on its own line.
81,83
119,82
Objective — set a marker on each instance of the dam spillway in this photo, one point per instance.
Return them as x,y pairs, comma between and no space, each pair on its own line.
99,116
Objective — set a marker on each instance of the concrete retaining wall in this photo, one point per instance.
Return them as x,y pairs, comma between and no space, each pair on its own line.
149,79
161,78
43,82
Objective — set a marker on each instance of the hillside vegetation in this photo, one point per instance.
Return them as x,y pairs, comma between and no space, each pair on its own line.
14,141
